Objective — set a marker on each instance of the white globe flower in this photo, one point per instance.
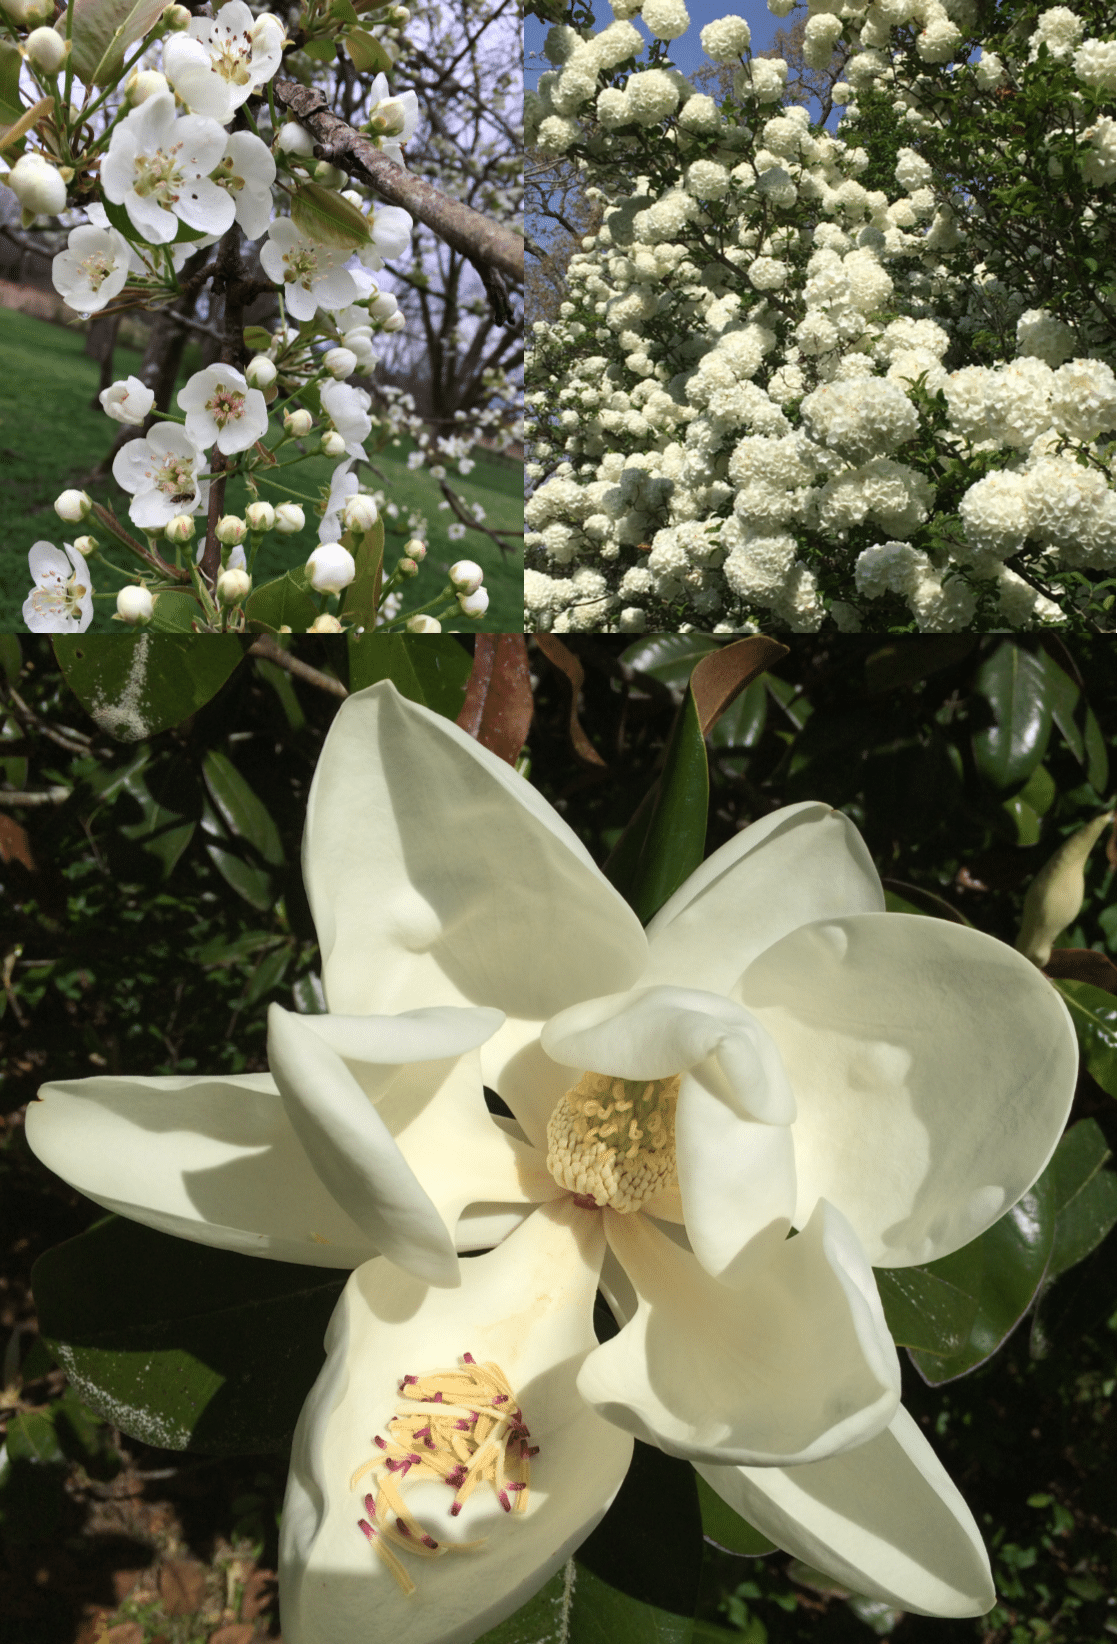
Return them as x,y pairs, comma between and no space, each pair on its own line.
46,49
260,371
726,39
233,586
290,519
420,624
61,601
261,516
37,185
158,168
222,410
127,401
142,84
73,506
218,64
340,363
134,604
360,513
331,568
475,604
466,575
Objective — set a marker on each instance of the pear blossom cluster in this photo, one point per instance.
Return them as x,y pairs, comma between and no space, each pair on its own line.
755,401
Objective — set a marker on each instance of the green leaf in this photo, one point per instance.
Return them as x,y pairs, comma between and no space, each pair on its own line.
254,884
323,51
175,612
669,658
727,1529
31,1435
182,1345
1014,684
103,30
544,1619
120,220
323,216
359,601
11,108
1093,1013
743,723
256,339
1098,759
280,681
664,840
906,662
1024,819
161,832
1063,695
924,1311
1083,1224
11,658
431,669
134,685
367,52
285,602
600,1612
649,1547
240,810
267,976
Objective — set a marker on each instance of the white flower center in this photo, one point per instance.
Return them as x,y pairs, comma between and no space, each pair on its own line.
175,477
462,1426
302,265
229,57
158,176
97,268
225,405
55,598
612,1141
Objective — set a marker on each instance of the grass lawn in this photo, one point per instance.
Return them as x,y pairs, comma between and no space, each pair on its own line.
50,439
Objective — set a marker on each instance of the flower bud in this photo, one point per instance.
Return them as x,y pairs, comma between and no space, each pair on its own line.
46,50
260,516
326,624
1055,897
423,625
395,322
85,546
142,84
383,305
295,139
331,568
466,575
289,519
415,548
233,587
37,185
340,363
180,529
360,513
177,18
407,568
329,176
332,444
73,505
260,371
475,604
231,529
297,423
134,604
399,15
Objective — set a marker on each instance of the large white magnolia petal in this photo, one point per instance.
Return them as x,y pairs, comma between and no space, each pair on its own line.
794,1363
434,873
528,1307
885,1519
653,1033
350,1146
933,1069
213,1160
805,862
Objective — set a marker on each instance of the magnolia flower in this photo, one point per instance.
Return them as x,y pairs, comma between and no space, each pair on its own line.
222,410
775,1055
216,65
313,276
127,401
61,601
348,410
165,472
93,269
158,167
247,173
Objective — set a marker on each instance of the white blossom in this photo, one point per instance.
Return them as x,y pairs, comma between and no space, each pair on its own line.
61,602
166,473
93,269
158,167
222,410
217,64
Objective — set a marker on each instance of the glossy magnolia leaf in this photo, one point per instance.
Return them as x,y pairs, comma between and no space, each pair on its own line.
914,899
649,1546
727,1529
103,30
247,879
544,1620
743,723
601,1612
180,1345
1093,1013
924,1311
280,681
568,664
1083,1223
267,976
239,808
285,602
175,612
323,216
164,834
498,705
1003,1268
719,678
905,663
360,600
1098,758
1063,696
367,53
669,658
134,685
431,669
1014,685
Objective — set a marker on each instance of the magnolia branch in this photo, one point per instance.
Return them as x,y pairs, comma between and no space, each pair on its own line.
272,652
495,251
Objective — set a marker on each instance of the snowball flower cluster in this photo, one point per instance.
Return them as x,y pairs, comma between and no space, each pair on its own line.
726,39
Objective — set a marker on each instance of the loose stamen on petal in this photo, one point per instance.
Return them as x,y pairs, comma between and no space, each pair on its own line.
477,1433
612,1141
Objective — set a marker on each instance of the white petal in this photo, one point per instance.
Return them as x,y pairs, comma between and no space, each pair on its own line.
527,1306
213,1160
792,1364
933,1069
202,205
805,862
884,1519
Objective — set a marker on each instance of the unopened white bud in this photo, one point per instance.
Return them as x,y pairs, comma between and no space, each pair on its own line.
37,186
354,198
400,15
85,546
475,604
231,529
383,305
180,529
73,505
134,604
289,519
260,516
260,371
330,176
360,513
144,83
332,444
297,423
295,139
46,50
407,568
423,625
331,568
178,18
326,624
466,575
340,362
395,322
233,587
415,548
1055,897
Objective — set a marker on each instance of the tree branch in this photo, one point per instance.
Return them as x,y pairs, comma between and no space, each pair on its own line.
272,652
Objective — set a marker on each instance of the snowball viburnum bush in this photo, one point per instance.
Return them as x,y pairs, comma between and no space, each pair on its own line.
803,379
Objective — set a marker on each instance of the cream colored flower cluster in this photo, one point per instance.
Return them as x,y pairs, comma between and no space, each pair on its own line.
715,426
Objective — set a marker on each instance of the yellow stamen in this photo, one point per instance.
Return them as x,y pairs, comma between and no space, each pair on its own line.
627,1154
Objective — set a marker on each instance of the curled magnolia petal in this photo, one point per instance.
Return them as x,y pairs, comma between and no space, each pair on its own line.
354,1153
884,1519
889,1026
425,1035
526,1307
214,1160
805,862
791,1365
653,1033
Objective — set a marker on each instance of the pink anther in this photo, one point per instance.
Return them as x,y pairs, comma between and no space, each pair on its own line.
368,1529
469,1359
370,1506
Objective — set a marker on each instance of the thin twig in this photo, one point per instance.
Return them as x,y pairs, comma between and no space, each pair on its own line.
38,796
272,652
